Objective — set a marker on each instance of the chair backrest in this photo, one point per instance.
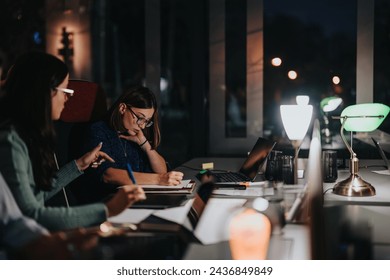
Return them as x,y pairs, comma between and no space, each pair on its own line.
87,104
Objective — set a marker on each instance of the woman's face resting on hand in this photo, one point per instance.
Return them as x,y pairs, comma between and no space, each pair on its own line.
135,119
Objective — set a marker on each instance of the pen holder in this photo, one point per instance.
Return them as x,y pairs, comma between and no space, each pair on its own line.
329,165
273,171
288,169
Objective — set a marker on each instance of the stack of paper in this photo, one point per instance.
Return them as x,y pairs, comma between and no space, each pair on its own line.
186,187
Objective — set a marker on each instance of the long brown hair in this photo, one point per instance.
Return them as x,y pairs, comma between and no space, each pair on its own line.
26,105
138,97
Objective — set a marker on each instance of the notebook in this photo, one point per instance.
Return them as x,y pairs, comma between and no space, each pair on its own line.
382,153
159,238
185,187
161,201
249,168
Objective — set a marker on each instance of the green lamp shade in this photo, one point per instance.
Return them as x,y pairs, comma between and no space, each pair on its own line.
330,103
364,117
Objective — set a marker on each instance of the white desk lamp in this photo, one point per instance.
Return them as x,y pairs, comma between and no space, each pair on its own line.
296,120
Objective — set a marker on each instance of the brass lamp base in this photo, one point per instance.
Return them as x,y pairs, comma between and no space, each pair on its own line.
354,185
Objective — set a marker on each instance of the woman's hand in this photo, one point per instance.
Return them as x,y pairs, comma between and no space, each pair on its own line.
125,196
60,245
137,137
171,178
93,158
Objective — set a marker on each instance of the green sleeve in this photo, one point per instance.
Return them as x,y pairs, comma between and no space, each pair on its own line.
64,176
16,168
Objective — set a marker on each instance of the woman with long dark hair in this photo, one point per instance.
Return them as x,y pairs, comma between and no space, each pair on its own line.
33,96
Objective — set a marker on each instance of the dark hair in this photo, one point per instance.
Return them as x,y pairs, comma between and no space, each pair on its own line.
26,104
138,97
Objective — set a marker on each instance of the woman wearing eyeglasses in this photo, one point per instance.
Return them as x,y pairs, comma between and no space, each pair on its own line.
130,134
33,96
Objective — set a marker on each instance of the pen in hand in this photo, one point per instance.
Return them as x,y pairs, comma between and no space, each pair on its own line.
130,172
138,191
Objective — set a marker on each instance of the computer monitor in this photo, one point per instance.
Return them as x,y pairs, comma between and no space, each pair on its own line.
311,209
315,200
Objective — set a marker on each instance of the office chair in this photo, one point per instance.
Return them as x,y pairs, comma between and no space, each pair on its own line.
88,104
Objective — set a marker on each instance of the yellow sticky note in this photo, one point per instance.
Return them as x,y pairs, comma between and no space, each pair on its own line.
208,165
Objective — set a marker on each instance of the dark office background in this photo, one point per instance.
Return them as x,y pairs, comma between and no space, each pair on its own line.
315,38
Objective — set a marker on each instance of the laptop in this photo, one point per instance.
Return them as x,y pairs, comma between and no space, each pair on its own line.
158,238
381,152
161,201
249,168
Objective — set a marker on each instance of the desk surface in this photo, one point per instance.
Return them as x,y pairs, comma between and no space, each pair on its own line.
370,215
380,182
374,211
292,243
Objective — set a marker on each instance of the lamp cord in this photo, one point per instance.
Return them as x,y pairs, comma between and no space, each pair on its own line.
63,189
327,190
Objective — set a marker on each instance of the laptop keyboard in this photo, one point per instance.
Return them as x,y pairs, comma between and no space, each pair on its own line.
230,177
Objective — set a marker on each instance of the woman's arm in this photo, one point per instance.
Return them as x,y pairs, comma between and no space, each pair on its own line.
64,176
16,168
157,162
121,177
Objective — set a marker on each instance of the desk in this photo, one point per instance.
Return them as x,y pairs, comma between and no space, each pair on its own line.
369,215
371,212
292,243
380,182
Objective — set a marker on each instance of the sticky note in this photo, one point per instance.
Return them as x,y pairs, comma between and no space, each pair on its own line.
208,165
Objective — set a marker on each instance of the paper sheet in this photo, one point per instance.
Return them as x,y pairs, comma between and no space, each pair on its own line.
132,216
175,214
251,192
180,186
212,227
382,172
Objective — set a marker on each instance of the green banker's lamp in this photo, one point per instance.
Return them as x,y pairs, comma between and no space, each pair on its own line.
359,118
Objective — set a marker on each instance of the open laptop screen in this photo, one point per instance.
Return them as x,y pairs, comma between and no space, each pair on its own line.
257,157
199,203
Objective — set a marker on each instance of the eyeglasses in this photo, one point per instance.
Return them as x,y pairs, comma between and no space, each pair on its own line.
69,92
141,120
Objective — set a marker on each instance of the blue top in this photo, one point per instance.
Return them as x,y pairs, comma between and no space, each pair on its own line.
121,150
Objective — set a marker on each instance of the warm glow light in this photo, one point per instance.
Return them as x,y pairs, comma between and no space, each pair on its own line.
296,120
292,74
163,84
302,99
249,235
276,61
77,25
260,204
336,80
104,228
